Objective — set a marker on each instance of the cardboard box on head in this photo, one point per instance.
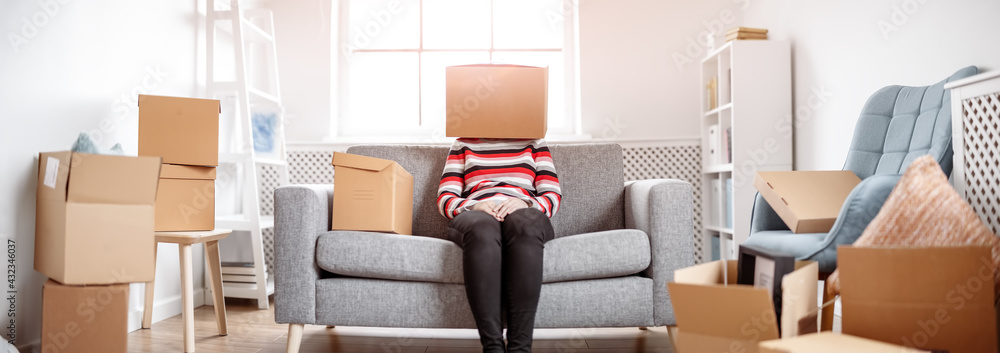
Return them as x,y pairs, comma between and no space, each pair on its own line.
496,101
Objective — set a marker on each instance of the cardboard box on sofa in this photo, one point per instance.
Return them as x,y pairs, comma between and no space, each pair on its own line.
714,314
371,194
185,198
829,342
808,201
94,217
496,101
84,318
927,298
181,130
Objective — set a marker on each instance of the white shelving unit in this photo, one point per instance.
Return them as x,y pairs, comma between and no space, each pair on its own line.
753,102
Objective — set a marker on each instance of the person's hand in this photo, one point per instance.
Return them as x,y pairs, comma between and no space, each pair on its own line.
488,206
508,206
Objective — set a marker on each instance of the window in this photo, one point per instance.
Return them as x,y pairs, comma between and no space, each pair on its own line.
393,55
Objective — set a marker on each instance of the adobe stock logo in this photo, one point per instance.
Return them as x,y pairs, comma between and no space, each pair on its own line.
487,86
30,25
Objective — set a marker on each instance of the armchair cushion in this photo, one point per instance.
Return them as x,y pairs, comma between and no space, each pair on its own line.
597,255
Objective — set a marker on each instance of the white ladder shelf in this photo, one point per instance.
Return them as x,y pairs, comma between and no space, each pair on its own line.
251,32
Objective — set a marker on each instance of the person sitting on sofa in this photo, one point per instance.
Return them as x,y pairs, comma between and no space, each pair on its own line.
499,195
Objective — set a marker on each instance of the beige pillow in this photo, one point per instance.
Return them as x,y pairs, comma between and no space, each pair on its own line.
924,210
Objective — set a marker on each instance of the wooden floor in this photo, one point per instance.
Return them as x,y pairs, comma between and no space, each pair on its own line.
254,331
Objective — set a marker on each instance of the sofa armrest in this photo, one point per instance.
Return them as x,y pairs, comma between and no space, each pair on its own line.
664,209
301,213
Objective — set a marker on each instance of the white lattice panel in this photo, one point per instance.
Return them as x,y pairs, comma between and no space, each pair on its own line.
670,162
268,179
659,162
981,156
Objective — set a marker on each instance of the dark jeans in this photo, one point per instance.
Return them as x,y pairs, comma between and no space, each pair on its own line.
503,267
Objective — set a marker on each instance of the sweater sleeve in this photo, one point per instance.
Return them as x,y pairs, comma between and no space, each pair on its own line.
548,195
450,200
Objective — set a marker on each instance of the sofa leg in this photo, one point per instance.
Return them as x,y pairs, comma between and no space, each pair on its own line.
643,328
330,326
294,337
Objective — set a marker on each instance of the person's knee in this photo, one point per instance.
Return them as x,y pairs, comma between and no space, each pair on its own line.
476,226
527,222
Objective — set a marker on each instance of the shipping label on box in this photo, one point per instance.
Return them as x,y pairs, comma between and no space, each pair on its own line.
94,217
371,194
496,101
938,299
84,319
807,201
181,130
829,342
714,314
185,198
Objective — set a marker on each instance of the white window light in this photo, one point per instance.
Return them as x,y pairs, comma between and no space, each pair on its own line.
392,55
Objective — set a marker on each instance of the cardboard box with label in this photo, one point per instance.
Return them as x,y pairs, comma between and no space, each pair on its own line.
714,314
807,201
94,217
496,101
937,299
181,130
185,198
371,194
84,318
829,342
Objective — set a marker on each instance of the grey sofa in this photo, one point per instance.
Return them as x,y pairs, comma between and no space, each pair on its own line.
616,247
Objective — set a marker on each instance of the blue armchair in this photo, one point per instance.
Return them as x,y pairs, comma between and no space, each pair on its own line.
897,125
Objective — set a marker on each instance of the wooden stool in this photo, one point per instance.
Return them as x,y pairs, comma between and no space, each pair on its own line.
184,240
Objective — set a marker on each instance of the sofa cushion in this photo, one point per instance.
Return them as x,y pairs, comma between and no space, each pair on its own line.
605,254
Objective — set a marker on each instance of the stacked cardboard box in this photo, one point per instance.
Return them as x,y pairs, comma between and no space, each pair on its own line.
185,133
93,233
741,33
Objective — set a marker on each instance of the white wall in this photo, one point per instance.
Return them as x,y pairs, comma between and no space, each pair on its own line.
639,64
80,70
840,53
303,30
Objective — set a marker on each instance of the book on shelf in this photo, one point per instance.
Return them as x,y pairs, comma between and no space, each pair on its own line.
746,30
745,36
712,93
727,149
715,217
714,148
728,189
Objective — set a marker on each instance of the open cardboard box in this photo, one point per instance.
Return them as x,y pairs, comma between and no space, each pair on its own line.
714,314
496,101
928,298
807,201
185,198
371,194
94,217
829,342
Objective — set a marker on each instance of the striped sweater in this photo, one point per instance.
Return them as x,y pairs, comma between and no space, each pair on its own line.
481,170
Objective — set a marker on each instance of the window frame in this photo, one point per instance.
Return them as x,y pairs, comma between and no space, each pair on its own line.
571,126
